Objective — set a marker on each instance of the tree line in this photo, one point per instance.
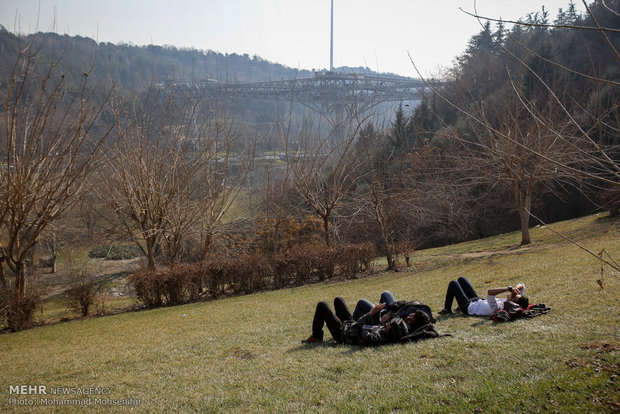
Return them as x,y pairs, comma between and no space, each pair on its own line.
525,123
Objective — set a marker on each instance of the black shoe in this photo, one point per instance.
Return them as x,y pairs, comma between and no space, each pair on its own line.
445,311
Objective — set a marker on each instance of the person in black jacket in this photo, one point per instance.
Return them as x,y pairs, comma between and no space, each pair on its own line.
401,319
364,306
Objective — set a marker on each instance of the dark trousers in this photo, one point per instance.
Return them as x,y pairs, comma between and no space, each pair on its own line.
464,293
325,316
364,305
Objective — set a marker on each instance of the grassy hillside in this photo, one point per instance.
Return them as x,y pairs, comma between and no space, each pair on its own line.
244,354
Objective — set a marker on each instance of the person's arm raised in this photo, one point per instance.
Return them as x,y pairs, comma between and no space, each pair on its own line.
378,308
497,291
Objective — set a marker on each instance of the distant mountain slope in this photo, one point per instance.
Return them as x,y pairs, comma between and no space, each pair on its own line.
129,66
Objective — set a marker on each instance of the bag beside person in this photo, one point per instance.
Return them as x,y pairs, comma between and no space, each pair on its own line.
513,311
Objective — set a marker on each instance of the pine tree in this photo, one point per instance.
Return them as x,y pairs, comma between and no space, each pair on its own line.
398,132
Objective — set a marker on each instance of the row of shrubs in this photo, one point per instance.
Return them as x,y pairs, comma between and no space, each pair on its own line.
218,276
115,252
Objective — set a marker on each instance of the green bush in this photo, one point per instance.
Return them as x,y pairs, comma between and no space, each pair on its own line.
115,252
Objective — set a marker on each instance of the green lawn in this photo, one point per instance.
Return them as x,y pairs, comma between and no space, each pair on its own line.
244,354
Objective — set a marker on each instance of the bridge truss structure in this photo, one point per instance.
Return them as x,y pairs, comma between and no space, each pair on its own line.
330,94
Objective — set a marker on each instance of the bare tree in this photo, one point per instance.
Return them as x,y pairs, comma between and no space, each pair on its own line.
534,131
602,165
275,200
51,242
227,150
324,170
514,144
275,205
381,192
150,163
48,147
172,169
88,211
438,198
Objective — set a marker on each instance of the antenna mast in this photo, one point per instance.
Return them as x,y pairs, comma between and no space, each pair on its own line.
331,42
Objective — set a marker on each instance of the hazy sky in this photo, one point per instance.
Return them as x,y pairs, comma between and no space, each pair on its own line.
373,33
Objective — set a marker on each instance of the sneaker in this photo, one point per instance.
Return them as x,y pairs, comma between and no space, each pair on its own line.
312,340
445,311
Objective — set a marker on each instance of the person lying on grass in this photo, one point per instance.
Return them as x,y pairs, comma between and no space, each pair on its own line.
393,307
371,328
364,306
472,304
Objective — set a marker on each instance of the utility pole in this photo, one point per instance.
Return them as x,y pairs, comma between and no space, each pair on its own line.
331,42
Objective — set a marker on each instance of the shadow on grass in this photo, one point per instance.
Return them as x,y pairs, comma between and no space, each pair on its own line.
478,320
306,346
352,349
346,349
447,316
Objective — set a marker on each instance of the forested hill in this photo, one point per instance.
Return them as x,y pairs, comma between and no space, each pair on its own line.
128,66
527,124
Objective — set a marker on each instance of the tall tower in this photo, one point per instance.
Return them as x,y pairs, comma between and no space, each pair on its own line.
331,42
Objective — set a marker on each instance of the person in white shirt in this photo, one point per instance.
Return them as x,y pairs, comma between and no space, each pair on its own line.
472,304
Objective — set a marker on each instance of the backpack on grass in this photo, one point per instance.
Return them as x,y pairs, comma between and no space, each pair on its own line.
513,311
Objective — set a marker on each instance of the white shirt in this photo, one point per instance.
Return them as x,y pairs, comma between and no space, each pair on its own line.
485,307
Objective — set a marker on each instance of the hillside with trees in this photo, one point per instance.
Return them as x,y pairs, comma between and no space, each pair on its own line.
222,196
131,67
525,124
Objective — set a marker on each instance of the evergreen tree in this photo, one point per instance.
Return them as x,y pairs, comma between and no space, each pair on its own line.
398,133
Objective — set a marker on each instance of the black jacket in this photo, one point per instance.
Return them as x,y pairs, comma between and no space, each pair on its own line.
368,329
402,308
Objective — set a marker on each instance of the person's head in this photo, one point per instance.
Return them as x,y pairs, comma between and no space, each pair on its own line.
523,301
516,297
417,319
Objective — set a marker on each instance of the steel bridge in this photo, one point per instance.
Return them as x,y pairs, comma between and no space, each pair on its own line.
331,94
324,87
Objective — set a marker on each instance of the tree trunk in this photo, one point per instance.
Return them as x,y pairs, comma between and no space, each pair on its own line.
20,280
276,240
3,283
525,226
523,202
326,230
389,253
525,211
390,257
52,249
525,216
150,254
205,246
